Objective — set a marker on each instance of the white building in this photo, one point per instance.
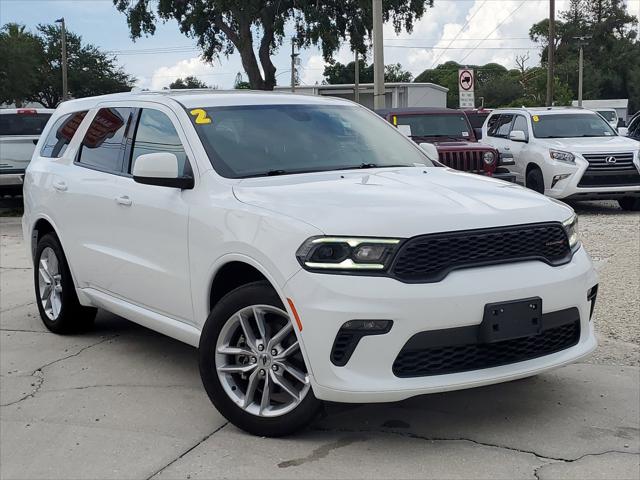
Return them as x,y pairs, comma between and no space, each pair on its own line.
397,95
620,105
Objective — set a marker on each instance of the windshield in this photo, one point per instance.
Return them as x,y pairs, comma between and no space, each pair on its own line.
570,125
609,115
259,140
23,123
435,125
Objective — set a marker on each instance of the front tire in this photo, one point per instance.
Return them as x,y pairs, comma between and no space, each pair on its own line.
251,365
630,203
535,180
58,304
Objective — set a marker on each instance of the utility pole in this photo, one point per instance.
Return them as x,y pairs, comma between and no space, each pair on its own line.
580,70
63,35
581,43
378,57
356,91
294,56
550,52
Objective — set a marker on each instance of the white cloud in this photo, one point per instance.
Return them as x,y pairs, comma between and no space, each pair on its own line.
194,66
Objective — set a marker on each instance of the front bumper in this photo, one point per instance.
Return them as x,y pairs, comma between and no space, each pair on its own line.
569,187
506,176
325,302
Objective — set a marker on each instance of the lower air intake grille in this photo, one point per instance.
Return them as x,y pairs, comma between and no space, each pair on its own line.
441,360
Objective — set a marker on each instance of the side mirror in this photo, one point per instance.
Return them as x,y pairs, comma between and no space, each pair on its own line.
431,151
160,169
518,136
478,133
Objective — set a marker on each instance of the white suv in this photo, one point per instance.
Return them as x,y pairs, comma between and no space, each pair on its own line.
305,246
567,153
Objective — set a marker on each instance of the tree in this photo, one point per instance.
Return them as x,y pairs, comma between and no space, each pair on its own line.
223,26
188,82
90,71
337,73
22,55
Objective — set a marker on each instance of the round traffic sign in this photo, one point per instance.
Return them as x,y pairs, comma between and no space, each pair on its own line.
466,80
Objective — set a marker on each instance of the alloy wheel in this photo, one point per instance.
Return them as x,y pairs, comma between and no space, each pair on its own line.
259,363
50,283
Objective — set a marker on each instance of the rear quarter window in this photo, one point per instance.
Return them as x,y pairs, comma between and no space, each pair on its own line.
61,134
31,124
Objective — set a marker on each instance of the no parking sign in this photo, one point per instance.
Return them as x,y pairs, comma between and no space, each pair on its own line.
466,83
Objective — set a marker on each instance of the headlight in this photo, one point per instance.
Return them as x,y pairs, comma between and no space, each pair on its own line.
571,227
488,157
347,253
562,156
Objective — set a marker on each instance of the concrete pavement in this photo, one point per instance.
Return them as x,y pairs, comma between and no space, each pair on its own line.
121,401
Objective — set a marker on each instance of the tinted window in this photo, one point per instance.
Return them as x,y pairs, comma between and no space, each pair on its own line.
436,125
570,125
103,144
155,133
477,119
257,140
61,134
498,125
520,123
634,127
23,123
609,115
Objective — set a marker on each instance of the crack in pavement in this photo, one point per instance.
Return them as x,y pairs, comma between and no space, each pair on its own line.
15,307
187,451
24,331
476,442
121,385
39,374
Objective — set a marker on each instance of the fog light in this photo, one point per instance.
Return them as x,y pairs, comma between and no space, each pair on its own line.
557,178
367,325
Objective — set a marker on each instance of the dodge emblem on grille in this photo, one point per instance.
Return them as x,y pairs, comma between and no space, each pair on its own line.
610,160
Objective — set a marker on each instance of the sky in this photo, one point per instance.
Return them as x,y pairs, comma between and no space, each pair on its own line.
466,31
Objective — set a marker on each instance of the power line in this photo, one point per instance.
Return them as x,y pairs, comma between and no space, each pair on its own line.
434,47
494,30
459,32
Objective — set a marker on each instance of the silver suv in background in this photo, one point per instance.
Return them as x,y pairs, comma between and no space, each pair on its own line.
20,129
567,153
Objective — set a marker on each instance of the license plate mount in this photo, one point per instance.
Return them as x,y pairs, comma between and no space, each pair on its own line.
509,320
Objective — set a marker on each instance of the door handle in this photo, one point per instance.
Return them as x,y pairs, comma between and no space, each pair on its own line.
60,186
507,148
124,200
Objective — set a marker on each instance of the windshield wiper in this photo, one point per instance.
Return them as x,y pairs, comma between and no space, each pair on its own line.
273,173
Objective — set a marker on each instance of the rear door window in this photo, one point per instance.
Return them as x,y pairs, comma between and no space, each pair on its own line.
103,145
27,123
155,133
61,134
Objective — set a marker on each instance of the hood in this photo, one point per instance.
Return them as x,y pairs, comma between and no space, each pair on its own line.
593,144
400,202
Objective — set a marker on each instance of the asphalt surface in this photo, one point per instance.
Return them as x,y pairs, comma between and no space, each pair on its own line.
122,401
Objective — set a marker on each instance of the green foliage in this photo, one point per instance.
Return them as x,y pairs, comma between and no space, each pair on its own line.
36,75
256,28
337,73
611,49
22,55
188,82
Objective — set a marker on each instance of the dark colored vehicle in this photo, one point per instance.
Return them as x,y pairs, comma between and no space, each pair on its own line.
476,117
451,133
634,127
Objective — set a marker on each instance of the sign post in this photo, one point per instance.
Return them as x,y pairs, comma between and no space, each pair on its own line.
466,84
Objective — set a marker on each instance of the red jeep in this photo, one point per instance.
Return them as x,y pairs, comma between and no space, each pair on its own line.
451,133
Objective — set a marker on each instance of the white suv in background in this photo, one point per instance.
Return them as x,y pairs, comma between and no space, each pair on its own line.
307,248
20,129
567,153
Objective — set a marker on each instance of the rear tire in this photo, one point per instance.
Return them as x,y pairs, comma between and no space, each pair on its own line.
630,203
58,304
236,367
535,180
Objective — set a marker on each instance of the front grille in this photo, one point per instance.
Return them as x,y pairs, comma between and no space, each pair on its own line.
430,258
603,173
442,360
466,160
